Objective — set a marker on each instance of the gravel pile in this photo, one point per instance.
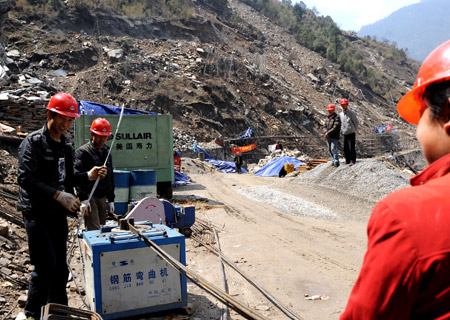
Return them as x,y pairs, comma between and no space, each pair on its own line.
326,192
288,203
368,179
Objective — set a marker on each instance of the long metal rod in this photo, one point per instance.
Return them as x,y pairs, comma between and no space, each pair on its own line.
279,305
224,314
83,210
107,156
199,281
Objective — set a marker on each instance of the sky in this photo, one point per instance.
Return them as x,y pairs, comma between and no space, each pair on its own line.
353,14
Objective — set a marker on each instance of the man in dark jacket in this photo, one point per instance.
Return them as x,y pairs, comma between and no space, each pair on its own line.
92,154
332,133
46,178
238,161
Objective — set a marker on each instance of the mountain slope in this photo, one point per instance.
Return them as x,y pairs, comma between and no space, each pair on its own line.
217,73
418,27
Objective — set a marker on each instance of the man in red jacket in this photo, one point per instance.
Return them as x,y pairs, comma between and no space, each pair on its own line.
406,269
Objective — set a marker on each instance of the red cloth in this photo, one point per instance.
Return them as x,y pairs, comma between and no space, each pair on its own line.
406,269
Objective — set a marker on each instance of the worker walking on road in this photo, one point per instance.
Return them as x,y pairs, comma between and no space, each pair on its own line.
91,154
46,178
349,126
332,134
406,269
238,161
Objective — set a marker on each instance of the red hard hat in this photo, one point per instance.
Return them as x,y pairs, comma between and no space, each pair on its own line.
331,107
65,104
101,127
238,152
344,102
435,68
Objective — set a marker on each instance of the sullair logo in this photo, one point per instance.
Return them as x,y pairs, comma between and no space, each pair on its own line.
134,136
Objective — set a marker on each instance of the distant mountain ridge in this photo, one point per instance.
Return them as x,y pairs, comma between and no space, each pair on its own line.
418,27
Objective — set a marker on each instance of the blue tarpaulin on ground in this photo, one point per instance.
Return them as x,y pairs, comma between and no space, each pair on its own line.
99,108
225,166
181,178
207,156
272,169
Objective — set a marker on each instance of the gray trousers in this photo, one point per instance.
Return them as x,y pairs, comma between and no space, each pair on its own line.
97,217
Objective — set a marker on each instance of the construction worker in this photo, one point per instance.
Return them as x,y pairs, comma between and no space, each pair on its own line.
332,134
46,179
406,269
238,161
91,154
349,126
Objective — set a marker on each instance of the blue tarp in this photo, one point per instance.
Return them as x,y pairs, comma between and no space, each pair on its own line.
272,169
207,156
247,133
99,108
181,178
225,166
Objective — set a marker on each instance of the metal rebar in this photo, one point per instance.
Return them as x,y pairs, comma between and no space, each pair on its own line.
224,314
279,305
199,281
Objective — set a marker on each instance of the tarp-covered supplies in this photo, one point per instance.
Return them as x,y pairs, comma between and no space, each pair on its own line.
272,169
98,108
225,166
181,178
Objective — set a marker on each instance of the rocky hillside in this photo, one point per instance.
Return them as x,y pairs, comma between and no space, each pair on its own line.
216,72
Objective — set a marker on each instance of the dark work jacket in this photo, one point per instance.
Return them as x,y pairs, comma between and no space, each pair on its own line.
88,156
238,160
333,126
45,166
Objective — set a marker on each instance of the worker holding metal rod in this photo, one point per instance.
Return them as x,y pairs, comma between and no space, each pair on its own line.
46,196
94,153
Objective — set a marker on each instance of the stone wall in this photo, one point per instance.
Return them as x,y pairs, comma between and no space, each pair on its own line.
26,111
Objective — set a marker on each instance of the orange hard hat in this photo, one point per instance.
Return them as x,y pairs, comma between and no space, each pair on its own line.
65,104
435,68
331,107
344,102
101,127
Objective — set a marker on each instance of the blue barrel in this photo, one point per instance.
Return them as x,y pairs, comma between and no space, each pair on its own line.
142,184
121,191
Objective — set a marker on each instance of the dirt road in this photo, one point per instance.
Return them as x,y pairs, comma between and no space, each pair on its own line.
288,252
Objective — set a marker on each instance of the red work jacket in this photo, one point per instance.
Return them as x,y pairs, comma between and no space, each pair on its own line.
406,269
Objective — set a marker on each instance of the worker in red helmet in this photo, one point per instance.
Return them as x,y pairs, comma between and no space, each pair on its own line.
94,153
46,196
238,161
406,269
349,127
332,133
